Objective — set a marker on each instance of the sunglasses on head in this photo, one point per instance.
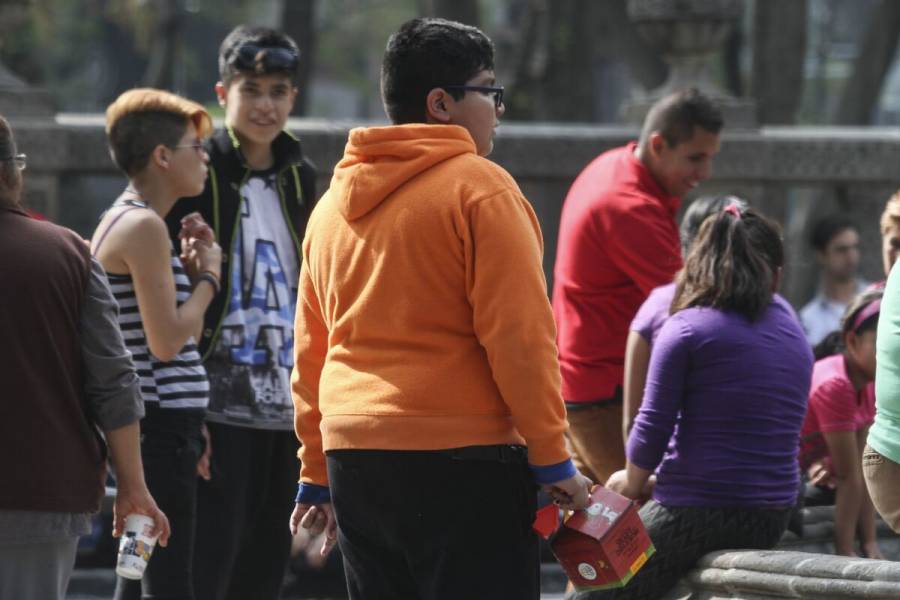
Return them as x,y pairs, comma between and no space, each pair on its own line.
264,59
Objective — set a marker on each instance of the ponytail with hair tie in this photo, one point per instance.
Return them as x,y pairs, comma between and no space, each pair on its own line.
730,267
734,210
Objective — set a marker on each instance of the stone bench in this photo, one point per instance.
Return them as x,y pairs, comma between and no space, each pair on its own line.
758,575
800,567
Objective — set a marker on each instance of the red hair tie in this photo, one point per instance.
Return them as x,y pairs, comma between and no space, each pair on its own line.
733,210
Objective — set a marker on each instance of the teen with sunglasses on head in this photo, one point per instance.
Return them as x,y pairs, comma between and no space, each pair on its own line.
841,409
258,197
155,139
721,437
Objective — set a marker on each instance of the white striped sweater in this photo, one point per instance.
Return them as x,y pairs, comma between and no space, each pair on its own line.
179,383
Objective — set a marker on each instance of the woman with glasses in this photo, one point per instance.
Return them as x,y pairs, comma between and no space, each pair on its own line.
155,137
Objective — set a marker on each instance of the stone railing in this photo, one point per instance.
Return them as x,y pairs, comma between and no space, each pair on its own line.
792,174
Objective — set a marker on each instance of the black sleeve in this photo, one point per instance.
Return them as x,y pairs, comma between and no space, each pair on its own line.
308,182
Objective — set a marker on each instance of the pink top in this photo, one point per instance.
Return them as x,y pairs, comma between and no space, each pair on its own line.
834,405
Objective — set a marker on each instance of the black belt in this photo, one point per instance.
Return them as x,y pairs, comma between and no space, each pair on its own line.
599,403
504,453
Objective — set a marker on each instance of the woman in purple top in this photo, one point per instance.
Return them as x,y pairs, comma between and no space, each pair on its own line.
655,310
728,384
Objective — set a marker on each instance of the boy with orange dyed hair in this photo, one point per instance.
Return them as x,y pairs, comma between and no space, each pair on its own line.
426,386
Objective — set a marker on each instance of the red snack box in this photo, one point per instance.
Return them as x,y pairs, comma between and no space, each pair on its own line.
604,545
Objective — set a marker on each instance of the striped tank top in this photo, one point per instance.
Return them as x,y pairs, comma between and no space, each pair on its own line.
180,383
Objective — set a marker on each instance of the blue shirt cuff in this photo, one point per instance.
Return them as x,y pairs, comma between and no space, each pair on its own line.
552,473
310,493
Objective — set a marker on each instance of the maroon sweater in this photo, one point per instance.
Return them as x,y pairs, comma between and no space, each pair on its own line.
50,456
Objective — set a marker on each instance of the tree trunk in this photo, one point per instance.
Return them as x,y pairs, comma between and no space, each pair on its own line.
528,55
298,21
567,86
464,11
643,62
160,71
562,44
778,59
863,89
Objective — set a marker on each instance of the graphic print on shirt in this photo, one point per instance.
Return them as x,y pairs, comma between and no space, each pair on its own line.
251,364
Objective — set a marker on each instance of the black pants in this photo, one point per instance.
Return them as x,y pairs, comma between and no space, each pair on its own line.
243,513
428,526
682,535
171,444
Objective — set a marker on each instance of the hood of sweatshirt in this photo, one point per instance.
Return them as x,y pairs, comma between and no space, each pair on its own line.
378,160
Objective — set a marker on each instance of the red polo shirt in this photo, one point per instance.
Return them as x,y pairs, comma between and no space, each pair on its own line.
617,241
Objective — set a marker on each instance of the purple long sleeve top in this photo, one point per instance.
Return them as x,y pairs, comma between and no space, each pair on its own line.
731,394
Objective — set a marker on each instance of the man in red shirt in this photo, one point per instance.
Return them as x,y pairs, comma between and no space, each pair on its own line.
617,241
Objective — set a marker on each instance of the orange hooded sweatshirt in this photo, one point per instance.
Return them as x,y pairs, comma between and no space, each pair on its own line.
422,316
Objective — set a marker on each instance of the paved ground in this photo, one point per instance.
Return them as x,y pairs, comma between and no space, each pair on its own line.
94,577
92,583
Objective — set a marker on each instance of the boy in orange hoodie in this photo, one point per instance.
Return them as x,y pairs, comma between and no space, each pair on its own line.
426,386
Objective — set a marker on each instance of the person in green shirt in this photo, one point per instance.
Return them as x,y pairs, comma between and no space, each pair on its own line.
881,456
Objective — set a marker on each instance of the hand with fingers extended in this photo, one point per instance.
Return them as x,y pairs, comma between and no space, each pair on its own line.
193,226
199,250
572,493
316,518
139,501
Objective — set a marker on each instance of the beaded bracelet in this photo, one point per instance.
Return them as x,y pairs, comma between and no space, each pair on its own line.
211,278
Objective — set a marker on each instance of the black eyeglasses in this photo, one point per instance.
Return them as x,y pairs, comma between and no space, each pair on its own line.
484,89
19,159
264,59
197,145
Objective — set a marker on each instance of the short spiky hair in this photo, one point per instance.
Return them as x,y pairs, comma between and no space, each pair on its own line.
676,115
425,54
264,37
142,119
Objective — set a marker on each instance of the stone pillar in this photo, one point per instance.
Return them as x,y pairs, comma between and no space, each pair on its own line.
687,33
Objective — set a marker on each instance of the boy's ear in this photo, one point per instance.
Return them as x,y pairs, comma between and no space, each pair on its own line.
160,156
437,106
221,92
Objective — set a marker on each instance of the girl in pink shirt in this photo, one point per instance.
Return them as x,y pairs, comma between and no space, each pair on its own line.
841,408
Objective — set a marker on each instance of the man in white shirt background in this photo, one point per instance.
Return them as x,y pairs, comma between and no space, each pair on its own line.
835,239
